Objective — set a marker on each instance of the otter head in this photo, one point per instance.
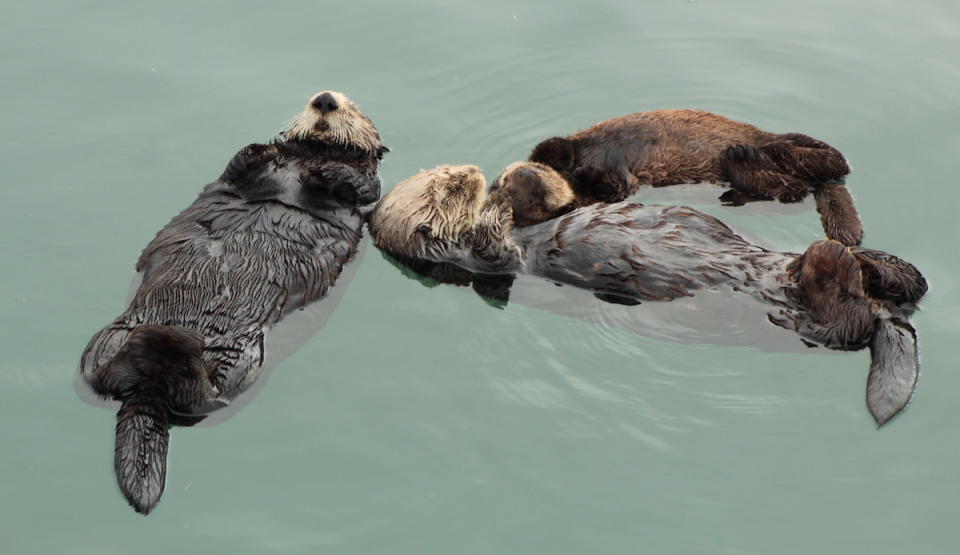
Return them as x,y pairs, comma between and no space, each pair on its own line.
535,192
331,117
560,153
429,212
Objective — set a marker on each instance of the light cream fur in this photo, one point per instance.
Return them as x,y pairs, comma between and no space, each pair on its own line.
433,206
346,125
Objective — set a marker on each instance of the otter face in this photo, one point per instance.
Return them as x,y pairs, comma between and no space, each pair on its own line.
535,192
331,117
428,211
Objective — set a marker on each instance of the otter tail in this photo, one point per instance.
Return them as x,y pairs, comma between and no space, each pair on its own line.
838,214
140,458
157,373
894,367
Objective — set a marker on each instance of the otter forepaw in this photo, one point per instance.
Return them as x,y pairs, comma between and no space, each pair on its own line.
742,154
792,191
364,193
602,185
557,152
733,197
333,174
341,184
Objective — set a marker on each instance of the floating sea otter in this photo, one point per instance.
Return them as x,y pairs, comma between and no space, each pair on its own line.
609,161
271,235
844,298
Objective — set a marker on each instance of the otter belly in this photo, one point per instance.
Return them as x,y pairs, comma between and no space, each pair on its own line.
230,270
694,279
649,253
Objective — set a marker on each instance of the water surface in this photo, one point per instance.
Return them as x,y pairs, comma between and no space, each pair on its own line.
423,419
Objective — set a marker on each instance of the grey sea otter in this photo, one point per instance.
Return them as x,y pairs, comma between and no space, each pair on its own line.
611,160
844,298
271,235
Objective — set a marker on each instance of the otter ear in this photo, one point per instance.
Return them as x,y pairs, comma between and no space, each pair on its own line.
558,153
424,229
381,151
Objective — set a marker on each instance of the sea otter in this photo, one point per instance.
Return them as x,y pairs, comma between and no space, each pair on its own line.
269,236
844,298
611,160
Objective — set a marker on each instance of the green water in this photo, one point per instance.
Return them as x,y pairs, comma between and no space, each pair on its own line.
421,420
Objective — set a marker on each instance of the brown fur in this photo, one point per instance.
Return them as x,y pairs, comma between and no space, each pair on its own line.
611,160
535,192
842,297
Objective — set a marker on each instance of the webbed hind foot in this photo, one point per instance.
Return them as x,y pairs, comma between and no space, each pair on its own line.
832,283
890,278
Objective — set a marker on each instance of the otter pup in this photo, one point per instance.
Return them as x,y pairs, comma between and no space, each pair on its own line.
611,160
269,236
844,298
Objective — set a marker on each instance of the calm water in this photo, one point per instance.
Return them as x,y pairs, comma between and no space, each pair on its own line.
422,420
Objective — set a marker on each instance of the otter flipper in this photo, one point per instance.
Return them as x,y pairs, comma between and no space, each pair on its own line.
894,367
157,373
140,458
890,278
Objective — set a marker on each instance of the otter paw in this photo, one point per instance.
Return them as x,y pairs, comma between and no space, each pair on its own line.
733,197
356,194
368,192
829,269
792,191
333,174
742,154
600,184
557,152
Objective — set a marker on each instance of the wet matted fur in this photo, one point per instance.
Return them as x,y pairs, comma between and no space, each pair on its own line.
271,235
845,298
611,160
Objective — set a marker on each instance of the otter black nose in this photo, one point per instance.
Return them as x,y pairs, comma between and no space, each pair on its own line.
325,103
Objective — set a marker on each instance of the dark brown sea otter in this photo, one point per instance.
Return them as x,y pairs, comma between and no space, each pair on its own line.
611,160
844,298
271,235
